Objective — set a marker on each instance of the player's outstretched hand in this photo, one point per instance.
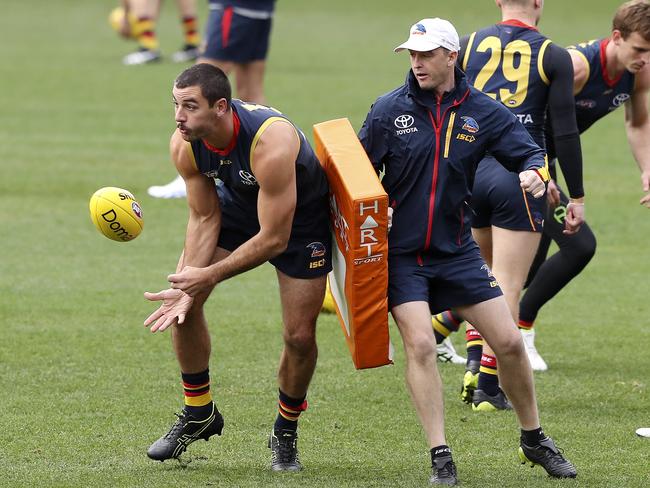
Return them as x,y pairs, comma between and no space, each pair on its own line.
174,308
575,217
531,182
191,280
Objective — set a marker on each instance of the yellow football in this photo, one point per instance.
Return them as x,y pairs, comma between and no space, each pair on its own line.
116,20
116,213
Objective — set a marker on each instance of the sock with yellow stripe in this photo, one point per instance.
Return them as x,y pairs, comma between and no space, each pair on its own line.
198,399
474,346
525,325
289,409
145,33
444,324
488,379
190,31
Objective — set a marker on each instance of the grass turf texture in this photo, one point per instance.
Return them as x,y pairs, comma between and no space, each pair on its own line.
85,388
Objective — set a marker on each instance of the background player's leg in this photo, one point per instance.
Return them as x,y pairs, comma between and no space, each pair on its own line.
575,252
493,320
249,79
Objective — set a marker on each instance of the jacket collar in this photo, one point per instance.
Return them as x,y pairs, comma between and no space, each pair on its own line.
427,98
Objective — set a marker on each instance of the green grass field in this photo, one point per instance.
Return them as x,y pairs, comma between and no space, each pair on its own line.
85,388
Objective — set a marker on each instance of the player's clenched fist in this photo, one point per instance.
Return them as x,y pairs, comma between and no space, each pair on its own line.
532,182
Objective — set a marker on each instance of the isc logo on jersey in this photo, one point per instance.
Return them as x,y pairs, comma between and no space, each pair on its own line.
116,214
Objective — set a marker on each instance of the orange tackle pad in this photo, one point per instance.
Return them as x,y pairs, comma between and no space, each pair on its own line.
359,220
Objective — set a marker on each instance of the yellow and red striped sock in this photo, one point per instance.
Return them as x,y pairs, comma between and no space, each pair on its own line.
196,388
525,325
145,33
289,409
444,324
190,30
474,345
488,379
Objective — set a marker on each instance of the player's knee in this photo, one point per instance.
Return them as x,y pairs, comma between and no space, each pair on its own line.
300,339
509,346
582,247
421,348
586,247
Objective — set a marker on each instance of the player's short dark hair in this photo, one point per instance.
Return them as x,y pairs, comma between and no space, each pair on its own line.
633,16
213,82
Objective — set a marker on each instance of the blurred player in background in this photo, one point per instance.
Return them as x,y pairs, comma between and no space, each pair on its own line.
427,137
514,63
136,19
272,206
608,73
238,34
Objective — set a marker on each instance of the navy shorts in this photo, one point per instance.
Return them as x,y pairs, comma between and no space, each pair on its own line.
309,251
447,283
497,199
237,35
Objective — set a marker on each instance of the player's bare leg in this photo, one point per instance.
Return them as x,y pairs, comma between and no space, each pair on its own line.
188,16
422,378
200,418
301,302
493,320
509,254
425,386
512,254
250,81
145,13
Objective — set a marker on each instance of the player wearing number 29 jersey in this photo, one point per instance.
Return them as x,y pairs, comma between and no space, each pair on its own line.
515,64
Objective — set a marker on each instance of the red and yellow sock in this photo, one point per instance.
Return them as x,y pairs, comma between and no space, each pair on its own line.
190,30
289,409
444,324
196,388
488,379
145,33
474,345
525,325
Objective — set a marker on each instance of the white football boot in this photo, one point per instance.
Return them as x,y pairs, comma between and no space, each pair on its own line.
173,189
142,56
447,353
536,361
643,432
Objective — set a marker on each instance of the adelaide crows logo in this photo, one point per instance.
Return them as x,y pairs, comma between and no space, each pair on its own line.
419,29
317,249
470,124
